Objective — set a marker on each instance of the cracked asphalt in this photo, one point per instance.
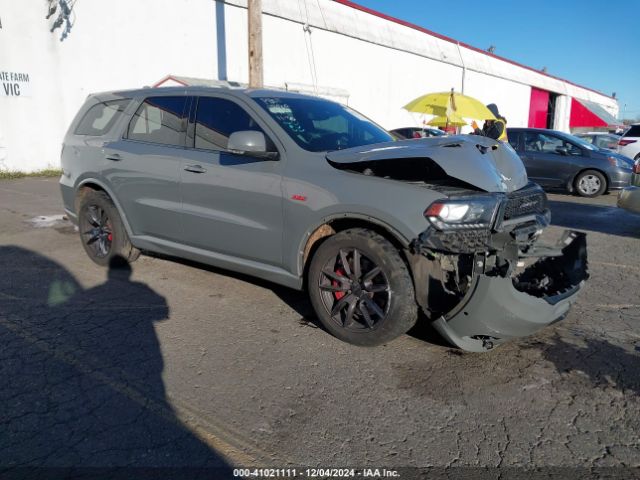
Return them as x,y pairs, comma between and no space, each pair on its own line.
179,365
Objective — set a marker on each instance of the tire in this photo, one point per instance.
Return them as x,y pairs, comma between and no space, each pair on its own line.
369,308
102,232
590,184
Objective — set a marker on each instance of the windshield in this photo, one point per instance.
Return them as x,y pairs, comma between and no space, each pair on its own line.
581,141
319,125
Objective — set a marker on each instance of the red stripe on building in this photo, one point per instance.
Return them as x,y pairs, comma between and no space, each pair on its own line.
581,116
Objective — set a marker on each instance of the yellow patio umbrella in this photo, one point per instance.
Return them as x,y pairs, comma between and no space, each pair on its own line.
450,103
443,121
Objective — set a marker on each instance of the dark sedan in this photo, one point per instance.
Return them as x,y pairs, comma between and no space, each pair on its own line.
416,132
558,160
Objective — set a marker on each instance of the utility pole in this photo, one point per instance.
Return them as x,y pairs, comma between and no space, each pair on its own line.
255,43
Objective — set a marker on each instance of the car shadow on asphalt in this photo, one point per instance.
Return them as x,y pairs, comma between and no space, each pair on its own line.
597,218
300,303
81,378
601,363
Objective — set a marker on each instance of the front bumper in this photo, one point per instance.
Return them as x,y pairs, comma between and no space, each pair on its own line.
620,179
496,309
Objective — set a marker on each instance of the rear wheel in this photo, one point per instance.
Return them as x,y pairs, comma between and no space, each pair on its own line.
361,289
590,183
102,232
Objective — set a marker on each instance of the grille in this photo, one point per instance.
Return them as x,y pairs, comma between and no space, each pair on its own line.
523,203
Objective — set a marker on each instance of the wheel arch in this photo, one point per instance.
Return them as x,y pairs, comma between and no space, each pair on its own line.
329,226
96,185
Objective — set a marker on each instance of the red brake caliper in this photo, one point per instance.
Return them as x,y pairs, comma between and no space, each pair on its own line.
335,283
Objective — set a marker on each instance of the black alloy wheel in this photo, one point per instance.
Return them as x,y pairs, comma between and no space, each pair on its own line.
97,233
102,231
355,291
361,288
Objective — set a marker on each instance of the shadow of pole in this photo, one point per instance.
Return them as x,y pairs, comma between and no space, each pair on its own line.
81,377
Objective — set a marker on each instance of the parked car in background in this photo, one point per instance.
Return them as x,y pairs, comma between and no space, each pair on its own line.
416,132
558,160
629,143
601,139
310,194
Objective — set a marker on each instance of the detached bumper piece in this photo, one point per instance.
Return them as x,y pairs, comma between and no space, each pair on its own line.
498,308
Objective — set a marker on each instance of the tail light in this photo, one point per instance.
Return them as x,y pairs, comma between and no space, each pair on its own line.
624,142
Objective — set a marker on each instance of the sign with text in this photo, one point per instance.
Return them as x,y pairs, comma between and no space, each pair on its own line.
14,84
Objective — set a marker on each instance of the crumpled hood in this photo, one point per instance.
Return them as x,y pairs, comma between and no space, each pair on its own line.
480,161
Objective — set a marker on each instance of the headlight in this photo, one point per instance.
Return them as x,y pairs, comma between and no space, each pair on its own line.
462,213
618,162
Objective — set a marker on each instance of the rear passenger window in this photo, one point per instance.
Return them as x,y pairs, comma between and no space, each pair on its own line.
160,120
217,119
100,118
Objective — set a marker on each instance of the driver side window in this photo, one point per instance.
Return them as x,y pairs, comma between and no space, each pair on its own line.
216,119
545,143
551,143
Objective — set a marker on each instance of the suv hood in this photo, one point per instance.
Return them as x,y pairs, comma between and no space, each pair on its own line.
480,161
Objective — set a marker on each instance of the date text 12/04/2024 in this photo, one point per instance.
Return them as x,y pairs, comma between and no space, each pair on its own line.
314,473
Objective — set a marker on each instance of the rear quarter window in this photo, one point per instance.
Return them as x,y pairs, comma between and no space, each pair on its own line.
101,117
160,120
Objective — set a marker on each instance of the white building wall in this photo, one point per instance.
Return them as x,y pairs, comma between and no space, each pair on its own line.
512,98
30,124
128,44
562,113
122,44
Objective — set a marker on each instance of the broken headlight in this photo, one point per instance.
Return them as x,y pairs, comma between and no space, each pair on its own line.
463,213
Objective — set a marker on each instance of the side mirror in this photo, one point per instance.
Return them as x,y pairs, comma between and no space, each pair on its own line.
562,150
251,143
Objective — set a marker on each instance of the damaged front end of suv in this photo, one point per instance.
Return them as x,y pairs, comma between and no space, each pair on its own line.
482,273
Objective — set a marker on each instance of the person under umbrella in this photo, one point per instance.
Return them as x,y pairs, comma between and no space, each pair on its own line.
496,129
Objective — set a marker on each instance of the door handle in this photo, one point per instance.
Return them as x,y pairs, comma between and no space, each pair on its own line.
195,169
115,157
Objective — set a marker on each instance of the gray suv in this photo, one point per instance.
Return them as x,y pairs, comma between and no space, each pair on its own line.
310,194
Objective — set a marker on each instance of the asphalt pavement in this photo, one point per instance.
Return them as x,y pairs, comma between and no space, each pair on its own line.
177,365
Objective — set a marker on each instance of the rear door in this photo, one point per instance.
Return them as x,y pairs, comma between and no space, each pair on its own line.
544,163
232,204
143,167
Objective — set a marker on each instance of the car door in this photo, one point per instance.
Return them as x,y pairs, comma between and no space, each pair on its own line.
143,167
232,204
544,163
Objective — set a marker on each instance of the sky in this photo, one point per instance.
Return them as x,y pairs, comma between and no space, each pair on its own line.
592,43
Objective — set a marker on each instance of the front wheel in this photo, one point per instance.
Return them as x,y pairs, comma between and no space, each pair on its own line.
102,232
590,183
360,288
